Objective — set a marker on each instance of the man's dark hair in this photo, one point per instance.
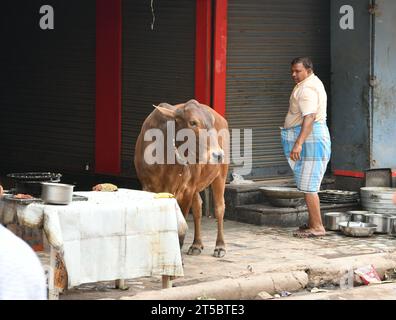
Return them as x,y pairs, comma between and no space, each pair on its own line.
307,62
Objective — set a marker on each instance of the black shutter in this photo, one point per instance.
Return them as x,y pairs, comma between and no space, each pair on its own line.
158,64
47,95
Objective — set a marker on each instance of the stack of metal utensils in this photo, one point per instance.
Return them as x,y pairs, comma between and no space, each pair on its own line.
339,196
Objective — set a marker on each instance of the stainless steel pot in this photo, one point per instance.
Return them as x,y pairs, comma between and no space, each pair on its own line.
332,220
381,220
359,215
392,226
56,193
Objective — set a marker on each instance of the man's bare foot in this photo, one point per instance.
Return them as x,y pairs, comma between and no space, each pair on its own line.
309,233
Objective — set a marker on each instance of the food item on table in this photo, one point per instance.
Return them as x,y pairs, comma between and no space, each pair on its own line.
163,195
23,196
108,187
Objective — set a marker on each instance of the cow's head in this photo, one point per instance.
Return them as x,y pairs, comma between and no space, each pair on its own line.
195,120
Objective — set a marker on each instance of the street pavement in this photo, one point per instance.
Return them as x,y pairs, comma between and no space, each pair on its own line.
385,291
256,250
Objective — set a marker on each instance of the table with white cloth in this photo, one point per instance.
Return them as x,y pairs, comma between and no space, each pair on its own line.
111,236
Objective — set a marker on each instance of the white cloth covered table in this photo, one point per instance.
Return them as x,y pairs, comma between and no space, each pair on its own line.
114,235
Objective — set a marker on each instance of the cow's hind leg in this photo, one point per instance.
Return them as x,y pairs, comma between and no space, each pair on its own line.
218,187
197,246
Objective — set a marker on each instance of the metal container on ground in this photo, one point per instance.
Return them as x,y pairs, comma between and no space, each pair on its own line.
381,220
378,199
359,215
392,226
357,229
332,220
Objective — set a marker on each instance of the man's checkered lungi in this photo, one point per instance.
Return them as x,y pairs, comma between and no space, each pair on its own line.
315,155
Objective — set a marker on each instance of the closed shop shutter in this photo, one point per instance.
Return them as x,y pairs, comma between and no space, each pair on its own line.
263,37
47,86
158,63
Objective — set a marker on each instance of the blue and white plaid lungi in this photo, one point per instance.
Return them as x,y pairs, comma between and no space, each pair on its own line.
315,155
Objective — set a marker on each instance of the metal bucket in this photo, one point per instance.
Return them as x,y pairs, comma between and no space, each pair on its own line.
332,220
378,199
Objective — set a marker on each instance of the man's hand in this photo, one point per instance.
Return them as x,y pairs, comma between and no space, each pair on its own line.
1,190
306,129
296,152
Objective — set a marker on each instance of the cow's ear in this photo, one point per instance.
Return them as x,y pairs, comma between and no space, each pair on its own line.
166,111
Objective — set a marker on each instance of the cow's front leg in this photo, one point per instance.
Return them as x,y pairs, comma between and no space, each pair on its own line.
218,187
197,246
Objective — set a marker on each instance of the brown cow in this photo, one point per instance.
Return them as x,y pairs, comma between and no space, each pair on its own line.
185,179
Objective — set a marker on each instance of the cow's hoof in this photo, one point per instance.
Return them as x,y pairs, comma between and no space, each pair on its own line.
194,251
219,252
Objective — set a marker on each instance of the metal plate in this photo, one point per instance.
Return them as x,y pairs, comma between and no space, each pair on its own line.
11,197
338,196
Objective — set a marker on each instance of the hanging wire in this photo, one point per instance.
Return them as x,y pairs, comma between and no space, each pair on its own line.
152,13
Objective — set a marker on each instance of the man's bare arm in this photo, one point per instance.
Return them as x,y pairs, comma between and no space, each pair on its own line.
306,129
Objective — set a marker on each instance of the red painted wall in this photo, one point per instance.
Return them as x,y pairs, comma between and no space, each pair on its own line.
220,56
203,51
108,87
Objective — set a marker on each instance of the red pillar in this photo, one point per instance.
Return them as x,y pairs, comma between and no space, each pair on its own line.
108,87
203,51
220,56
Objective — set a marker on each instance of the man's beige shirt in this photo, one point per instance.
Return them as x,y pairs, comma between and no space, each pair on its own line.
308,96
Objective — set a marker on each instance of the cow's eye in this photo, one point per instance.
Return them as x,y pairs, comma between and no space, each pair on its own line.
193,123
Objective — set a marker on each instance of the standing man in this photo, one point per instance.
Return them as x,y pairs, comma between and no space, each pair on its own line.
306,140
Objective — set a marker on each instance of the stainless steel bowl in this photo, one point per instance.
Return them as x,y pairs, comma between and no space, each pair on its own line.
332,220
357,229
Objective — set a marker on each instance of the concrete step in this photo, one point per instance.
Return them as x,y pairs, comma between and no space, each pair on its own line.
268,215
245,194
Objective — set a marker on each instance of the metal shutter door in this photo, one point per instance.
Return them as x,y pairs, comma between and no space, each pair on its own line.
48,86
263,37
158,64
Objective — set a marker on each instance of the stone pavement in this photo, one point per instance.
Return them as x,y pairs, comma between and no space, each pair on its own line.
252,250
385,291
